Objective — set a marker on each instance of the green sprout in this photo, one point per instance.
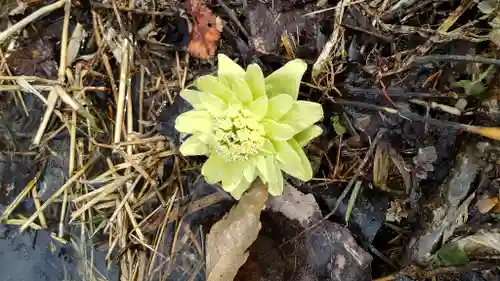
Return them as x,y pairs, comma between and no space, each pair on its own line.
250,126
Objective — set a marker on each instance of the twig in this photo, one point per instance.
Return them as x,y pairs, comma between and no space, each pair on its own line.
141,99
396,92
466,58
130,100
51,104
27,20
36,200
489,132
20,197
232,15
64,43
332,46
72,157
68,183
456,34
424,48
377,35
98,5
348,188
405,114
30,79
358,173
122,90
105,58
103,192
422,274
18,95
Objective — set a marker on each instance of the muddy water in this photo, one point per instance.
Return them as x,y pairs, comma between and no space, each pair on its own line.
35,256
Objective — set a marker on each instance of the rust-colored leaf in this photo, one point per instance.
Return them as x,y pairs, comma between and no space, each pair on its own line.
485,205
496,209
205,32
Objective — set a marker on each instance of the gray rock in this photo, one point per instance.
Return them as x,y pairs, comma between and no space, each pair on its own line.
325,252
446,208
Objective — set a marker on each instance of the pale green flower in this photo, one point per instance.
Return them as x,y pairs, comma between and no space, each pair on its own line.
250,126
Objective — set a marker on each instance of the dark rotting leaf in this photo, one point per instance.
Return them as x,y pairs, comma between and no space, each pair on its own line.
166,119
34,58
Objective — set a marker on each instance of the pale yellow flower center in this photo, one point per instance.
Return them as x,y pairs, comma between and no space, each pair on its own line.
238,135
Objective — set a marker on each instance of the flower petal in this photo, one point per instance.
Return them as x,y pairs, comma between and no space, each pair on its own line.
267,147
194,121
259,107
304,137
193,98
286,80
289,160
249,172
240,188
212,85
240,88
232,174
213,104
279,106
228,67
304,161
213,169
303,114
276,188
278,131
255,80
193,146
266,168
206,137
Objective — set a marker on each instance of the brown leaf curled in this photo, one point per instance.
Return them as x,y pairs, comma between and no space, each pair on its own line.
205,32
229,238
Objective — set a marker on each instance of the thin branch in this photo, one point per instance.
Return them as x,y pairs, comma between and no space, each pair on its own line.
466,58
29,19
348,188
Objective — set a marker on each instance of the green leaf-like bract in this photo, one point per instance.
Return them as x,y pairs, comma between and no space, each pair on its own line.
250,126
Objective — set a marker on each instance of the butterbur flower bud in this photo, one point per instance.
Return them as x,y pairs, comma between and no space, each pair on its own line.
250,126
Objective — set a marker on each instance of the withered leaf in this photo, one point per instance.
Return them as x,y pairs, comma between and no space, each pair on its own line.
381,166
483,243
400,164
205,33
34,58
229,238
485,205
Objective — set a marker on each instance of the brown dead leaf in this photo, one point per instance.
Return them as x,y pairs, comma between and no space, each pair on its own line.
381,166
205,32
496,209
229,238
481,244
34,58
400,164
487,204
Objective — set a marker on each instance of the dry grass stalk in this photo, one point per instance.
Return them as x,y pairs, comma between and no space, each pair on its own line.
68,183
51,104
20,197
64,43
110,202
29,19
334,44
122,90
36,200
18,97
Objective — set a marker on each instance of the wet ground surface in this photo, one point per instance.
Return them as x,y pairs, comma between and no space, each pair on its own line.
34,255
423,186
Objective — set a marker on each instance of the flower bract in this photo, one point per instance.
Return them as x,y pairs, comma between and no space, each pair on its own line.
250,126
